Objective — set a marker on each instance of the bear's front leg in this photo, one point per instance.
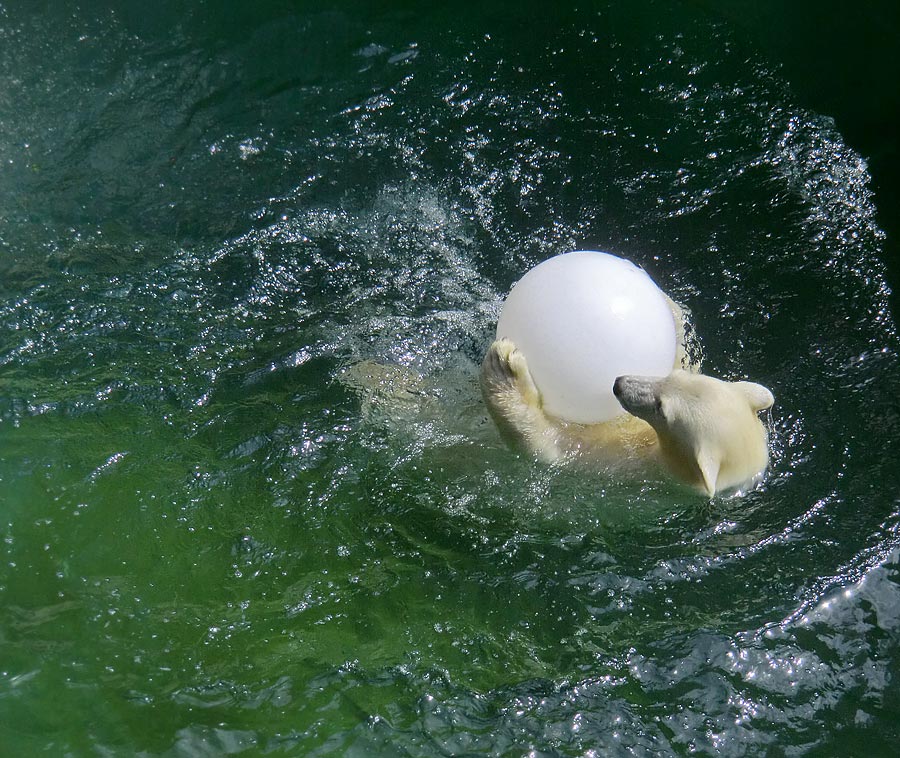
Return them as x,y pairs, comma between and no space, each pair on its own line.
514,402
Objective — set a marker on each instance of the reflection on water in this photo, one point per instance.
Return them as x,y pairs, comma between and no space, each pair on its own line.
211,519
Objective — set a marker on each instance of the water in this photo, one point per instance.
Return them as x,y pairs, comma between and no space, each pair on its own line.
219,539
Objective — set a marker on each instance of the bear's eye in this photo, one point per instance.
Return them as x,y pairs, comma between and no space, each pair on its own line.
659,408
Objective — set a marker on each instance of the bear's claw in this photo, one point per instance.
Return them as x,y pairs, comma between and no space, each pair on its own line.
506,364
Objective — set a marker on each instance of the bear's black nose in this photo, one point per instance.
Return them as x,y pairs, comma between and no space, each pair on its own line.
617,387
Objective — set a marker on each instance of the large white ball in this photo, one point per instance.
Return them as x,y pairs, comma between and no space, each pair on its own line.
582,319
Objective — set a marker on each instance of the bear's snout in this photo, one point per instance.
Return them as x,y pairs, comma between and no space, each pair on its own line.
637,394
626,387
624,390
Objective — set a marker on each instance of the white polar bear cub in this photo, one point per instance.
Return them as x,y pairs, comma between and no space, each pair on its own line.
705,431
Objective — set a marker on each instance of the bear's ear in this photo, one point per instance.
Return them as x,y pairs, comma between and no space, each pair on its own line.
709,470
759,397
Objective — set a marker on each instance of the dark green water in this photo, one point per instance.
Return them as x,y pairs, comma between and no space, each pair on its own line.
211,544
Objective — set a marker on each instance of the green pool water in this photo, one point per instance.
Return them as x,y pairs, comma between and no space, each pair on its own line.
217,539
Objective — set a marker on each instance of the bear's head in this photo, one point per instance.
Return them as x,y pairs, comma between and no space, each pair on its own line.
710,435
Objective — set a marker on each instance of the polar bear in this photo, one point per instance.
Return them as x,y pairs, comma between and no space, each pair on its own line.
704,431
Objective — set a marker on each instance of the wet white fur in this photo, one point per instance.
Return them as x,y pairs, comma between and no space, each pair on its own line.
706,432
